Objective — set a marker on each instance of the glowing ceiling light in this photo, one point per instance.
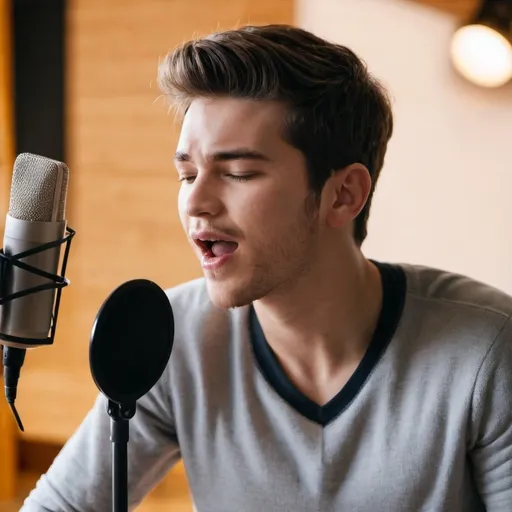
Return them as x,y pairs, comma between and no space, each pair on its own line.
481,51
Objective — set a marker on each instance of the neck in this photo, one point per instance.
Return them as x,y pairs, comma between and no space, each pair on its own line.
326,318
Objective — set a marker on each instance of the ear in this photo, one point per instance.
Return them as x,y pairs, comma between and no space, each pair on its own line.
346,193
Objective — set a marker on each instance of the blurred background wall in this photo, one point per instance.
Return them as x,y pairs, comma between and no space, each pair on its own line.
442,199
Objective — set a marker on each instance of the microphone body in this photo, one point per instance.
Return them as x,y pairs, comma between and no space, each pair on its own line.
29,316
34,230
36,216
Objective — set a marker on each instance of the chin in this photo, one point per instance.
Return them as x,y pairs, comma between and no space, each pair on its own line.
231,295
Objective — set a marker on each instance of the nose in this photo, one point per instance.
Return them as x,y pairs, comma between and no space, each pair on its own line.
201,198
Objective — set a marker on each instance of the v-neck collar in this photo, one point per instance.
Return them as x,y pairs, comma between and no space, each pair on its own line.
394,290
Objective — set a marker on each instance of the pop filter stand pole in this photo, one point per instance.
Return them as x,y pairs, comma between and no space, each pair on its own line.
120,416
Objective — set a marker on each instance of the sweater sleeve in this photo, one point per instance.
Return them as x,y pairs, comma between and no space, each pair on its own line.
490,429
79,479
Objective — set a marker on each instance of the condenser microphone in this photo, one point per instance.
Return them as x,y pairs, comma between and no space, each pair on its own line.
34,231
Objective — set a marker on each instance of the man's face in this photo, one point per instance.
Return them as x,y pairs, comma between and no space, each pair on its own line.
243,185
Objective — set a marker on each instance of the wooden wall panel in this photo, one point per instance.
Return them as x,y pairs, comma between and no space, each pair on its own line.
123,185
8,430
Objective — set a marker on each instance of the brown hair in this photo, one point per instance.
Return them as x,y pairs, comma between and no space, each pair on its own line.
338,113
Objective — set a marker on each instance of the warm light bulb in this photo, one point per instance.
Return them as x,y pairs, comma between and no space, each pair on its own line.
482,55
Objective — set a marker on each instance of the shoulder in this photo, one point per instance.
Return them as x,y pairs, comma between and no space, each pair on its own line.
456,307
457,291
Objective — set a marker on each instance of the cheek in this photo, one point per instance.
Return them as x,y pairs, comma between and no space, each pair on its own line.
256,211
182,205
269,215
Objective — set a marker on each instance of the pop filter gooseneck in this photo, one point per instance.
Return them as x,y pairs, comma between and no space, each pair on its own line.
130,347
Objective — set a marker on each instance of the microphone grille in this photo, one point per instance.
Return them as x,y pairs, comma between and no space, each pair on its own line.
38,189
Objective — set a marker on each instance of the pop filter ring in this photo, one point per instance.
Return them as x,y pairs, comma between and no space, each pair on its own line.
58,282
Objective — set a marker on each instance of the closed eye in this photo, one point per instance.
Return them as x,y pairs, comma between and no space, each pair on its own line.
234,177
240,177
187,179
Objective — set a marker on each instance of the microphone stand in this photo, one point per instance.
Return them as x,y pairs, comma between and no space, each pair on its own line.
120,414
121,322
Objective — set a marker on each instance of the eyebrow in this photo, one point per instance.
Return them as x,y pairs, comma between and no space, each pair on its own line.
227,155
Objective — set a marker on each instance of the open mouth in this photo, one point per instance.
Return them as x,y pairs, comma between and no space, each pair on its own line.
216,248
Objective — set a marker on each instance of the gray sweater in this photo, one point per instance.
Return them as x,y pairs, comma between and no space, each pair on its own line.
424,424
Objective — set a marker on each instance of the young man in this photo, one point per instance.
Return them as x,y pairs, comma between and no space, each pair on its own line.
304,377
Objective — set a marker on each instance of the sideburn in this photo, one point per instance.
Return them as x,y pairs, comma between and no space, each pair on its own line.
312,205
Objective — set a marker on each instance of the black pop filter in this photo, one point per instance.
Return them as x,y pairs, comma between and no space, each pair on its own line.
131,341
130,347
